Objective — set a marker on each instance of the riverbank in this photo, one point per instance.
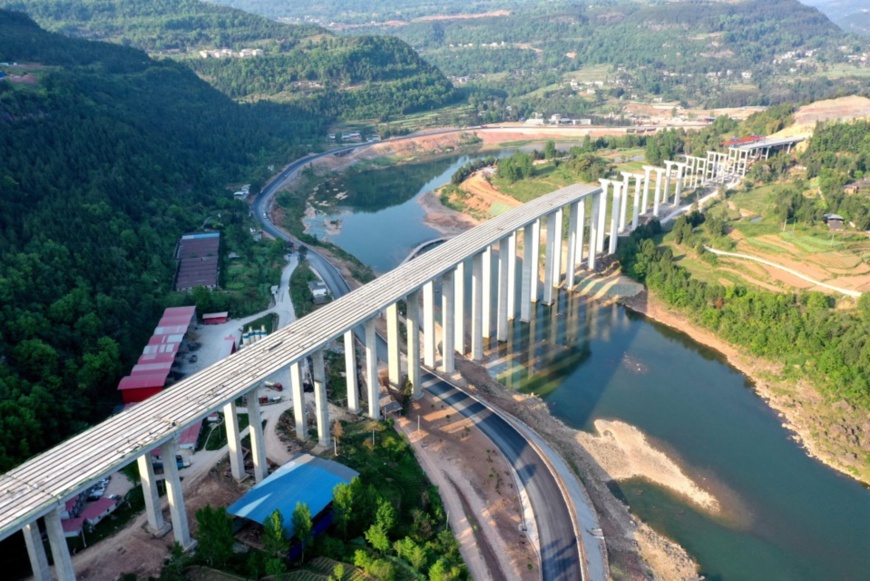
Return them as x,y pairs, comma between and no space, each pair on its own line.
835,433
634,550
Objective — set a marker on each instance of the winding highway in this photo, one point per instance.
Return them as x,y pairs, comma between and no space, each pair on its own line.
561,558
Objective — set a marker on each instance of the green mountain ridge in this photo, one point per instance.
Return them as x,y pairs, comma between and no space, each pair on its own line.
328,75
108,156
694,51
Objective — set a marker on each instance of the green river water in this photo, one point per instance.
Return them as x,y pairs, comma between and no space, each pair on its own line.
786,516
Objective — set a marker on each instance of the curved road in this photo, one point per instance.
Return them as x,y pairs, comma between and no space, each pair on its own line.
559,548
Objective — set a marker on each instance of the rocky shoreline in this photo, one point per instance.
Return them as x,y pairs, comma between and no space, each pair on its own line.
835,433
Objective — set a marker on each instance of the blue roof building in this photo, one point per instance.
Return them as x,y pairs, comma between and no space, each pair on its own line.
305,479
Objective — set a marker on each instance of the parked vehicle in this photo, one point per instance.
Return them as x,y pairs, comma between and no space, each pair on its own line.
268,400
96,492
274,385
179,461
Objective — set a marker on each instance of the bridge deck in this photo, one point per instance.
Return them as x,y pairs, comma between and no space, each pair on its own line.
47,480
772,142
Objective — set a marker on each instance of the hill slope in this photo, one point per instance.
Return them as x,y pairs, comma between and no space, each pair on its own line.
107,156
328,75
683,50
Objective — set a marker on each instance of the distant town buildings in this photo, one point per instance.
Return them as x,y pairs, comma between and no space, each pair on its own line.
224,53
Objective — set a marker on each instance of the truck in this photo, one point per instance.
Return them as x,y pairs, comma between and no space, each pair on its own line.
269,400
274,385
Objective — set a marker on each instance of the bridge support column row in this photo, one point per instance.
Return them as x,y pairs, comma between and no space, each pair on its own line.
553,255
681,167
321,404
623,202
531,249
350,372
36,552
447,318
669,166
647,170
635,212
512,276
505,291
413,332
614,218
372,383
300,414
63,566
477,306
459,308
394,364
486,289
177,513
574,226
234,441
581,230
658,193
429,324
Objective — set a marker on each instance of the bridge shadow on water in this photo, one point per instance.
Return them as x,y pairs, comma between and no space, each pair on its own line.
545,356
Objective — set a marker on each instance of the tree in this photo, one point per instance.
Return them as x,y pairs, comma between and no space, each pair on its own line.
214,535
550,151
338,573
342,506
302,525
386,515
377,538
274,541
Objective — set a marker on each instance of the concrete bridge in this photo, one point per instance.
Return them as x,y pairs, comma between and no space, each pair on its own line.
39,488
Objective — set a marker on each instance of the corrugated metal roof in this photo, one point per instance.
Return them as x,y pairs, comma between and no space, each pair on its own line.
152,368
156,357
189,312
304,479
143,381
162,348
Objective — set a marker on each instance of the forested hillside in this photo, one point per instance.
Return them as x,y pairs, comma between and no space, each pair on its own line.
107,156
850,15
327,75
527,52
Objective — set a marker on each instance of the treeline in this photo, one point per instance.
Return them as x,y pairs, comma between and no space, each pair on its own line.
107,159
662,49
329,77
469,168
158,25
391,530
837,154
387,76
801,330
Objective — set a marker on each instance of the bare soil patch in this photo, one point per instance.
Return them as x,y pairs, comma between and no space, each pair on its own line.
841,109
479,483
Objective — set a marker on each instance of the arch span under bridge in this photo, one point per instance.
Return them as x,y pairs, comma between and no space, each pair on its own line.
40,487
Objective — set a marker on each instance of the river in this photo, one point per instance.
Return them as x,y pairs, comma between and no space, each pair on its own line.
786,516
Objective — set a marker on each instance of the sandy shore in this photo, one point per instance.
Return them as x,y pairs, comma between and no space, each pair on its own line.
624,452
445,220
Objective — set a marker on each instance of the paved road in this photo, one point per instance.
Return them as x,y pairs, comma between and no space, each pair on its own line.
560,555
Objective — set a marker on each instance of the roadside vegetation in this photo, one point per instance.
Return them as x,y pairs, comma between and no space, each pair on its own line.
388,523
